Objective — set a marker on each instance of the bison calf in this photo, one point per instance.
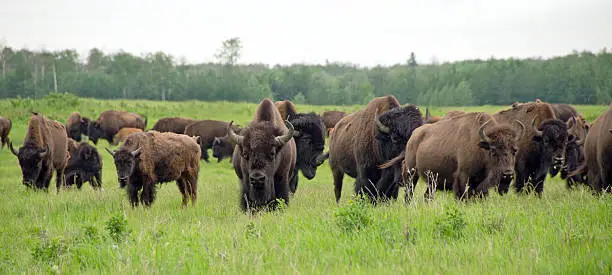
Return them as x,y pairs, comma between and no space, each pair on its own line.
123,134
84,165
5,129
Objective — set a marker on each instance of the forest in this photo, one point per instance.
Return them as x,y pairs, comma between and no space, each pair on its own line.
576,78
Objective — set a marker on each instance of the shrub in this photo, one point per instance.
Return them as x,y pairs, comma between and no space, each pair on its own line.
117,227
354,216
452,224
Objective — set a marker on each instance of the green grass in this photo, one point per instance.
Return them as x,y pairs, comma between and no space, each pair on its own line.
98,232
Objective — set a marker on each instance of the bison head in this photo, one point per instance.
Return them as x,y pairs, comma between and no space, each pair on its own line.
31,161
259,145
84,125
309,136
501,143
395,127
95,132
125,162
551,138
222,148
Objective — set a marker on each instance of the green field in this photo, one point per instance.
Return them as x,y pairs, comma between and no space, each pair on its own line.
86,231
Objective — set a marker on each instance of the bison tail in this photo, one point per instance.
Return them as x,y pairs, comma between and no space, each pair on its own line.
393,161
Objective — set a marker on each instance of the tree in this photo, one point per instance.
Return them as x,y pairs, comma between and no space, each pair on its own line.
230,51
412,61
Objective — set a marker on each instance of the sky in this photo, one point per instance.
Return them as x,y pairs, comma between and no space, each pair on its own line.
368,33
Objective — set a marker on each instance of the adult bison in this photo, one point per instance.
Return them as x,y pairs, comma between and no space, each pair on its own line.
207,130
355,150
76,126
44,150
472,150
222,148
574,151
123,134
172,124
5,129
286,108
111,121
150,158
84,165
542,146
330,118
264,158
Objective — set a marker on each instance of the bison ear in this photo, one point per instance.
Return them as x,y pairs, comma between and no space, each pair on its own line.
484,145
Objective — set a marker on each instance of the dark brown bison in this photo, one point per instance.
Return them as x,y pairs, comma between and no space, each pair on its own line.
111,121
264,158
172,124
330,118
207,130
222,148
44,150
149,158
76,126
123,134
5,129
574,152
472,150
84,165
309,136
354,149
286,108
598,154
429,119
542,146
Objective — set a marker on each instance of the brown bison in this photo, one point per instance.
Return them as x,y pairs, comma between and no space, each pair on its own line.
222,148
208,130
264,158
542,146
330,118
429,119
111,121
5,129
354,149
148,158
468,150
76,126
574,151
123,134
286,108
44,150
172,124
84,165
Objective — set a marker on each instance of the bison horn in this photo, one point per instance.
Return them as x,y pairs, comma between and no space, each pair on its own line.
538,132
45,152
427,114
321,158
297,133
281,140
137,151
481,132
381,127
518,137
12,149
110,151
237,139
571,129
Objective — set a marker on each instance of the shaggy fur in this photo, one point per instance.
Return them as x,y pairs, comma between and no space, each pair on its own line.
111,121
5,129
330,118
163,157
123,134
309,141
207,130
76,126
172,124
44,150
84,165
286,108
574,152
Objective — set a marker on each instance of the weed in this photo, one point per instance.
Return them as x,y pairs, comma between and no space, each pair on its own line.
48,251
452,224
117,227
354,216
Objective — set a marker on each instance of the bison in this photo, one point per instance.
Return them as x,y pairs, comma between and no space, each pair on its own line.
222,148
207,130
264,158
574,152
429,119
123,134
172,124
542,146
44,150
472,150
286,108
110,122
76,126
330,118
5,129
150,158
84,165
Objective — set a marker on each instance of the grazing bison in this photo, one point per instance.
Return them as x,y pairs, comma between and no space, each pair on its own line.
429,119
208,130
330,118
355,150
148,158
222,148
5,129
264,158
84,165
44,150
172,124
123,134
111,121
286,108
76,126
542,146
471,149
309,136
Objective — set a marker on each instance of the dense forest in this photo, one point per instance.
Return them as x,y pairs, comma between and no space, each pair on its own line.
577,78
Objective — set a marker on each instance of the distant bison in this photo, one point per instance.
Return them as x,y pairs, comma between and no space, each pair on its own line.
44,150
84,165
172,124
207,130
148,158
123,134
76,126
5,129
110,122
429,119
264,158
330,118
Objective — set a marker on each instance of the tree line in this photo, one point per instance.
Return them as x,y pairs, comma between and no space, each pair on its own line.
576,78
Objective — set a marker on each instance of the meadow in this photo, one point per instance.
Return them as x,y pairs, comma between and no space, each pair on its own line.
86,231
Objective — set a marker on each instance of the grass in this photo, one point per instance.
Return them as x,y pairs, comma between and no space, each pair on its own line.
98,232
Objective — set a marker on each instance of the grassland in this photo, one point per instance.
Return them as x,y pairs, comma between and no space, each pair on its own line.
98,232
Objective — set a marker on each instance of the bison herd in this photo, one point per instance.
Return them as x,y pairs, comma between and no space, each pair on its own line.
383,146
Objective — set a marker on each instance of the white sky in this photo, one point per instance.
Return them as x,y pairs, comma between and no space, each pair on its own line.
311,31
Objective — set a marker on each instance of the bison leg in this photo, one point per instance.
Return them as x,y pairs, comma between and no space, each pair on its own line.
132,192
386,185
205,154
521,180
281,186
192,187
459,185
293,183
148,193
97,181
79,182
60,180
338,177
182,187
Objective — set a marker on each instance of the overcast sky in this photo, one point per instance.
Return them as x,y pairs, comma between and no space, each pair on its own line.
311,31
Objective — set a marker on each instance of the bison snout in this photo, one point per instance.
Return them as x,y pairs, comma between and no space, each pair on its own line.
28,183
257,179
508,174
